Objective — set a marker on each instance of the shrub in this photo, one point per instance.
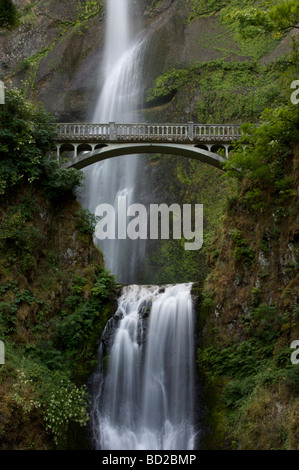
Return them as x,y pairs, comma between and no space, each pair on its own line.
57,398
86,221
26,140
263,152
9,15
61,181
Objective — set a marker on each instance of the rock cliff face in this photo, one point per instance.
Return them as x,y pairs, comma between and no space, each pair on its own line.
57,48
54,52
47,300
249,318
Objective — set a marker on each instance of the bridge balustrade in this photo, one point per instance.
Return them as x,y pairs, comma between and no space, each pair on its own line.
146,132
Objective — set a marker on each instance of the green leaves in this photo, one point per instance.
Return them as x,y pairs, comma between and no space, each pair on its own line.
26,138
169,83
86,221
9,16
243,251
235,361
104,284
73,327
275,18
60,181
264,151
204,7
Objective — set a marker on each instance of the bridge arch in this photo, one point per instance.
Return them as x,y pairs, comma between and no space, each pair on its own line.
84,147
192,151
67,149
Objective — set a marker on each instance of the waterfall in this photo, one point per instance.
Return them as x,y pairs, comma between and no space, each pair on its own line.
118,99
143,390
144,400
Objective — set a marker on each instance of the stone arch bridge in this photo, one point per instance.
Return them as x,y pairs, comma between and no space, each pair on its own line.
86,144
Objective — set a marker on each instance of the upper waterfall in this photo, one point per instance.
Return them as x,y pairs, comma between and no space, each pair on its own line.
120,69
119,92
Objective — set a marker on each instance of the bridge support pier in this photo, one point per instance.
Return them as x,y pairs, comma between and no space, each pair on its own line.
58,151
76,150
226,149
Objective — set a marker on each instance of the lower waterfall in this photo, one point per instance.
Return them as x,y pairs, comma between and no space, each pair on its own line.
143,390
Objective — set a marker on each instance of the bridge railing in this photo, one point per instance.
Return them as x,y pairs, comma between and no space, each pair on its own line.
214,131
146,132
82,131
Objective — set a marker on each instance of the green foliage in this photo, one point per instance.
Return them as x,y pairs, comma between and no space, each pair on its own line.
204,7
89,8
194,183
78,325
12,224
47,355
86,221
8,310
44,369
52,394
26,138
230,91
268,147
249,366
74,327
20,239
9,16
276,17
237,360
250,23
242,248
65,402
150,9
256,295
28,15
243,359
207,299
165,268
7,318
104,284
237,390
61,181
254,199
50,332
168,83
292,376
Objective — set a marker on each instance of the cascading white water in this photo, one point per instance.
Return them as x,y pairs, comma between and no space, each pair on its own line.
145,400
106,181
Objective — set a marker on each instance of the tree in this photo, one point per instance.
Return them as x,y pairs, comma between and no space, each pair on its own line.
26,138
265,152
277,18
9,16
